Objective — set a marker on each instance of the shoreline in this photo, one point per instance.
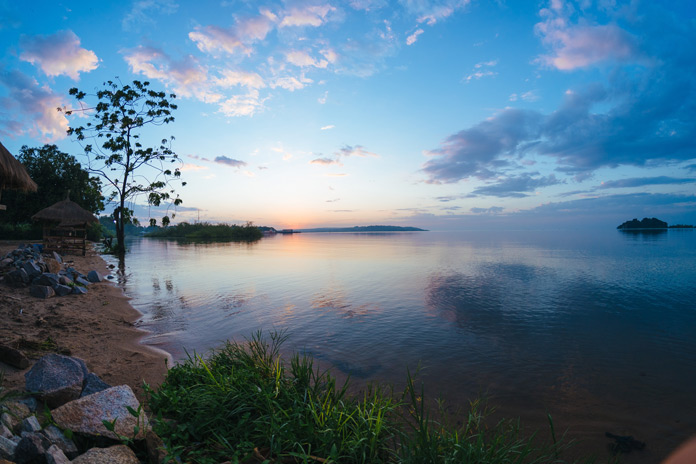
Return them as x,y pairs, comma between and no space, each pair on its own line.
98,327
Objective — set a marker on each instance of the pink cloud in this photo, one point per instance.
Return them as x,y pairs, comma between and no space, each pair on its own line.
58,54
33,108
580,46
314,15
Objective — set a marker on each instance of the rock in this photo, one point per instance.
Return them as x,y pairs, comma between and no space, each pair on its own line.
55,455
62,290
31,269
79,290
82,281
31,424
6,262
18,277
7,448
16,413
94,277
41,291
93,384
119,454
57,438
5,432
86,414
31,449
48,279
57,257
13,357
56,378
65,280
52,265
156,450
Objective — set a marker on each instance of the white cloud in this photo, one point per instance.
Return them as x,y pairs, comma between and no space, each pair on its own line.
242,105
58,54
330,126
482,70
186,77
322,100
291,83
231,78
303,59
212,38
411,39
314,15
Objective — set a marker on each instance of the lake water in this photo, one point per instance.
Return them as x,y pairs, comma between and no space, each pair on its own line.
596,328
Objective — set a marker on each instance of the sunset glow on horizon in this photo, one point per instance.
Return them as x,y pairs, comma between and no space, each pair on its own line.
440,114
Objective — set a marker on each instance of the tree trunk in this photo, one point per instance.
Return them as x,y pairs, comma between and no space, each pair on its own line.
120,248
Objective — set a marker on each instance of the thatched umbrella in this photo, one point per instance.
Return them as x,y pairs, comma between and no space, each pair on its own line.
13,176
65,213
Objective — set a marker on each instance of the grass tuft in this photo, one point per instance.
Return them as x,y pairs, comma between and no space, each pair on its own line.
244,404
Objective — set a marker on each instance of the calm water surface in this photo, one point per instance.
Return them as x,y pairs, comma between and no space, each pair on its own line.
596,328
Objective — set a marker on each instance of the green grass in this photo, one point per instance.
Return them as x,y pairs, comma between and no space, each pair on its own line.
244,404
209,232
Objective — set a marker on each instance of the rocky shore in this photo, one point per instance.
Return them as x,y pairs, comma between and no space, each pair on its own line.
93,327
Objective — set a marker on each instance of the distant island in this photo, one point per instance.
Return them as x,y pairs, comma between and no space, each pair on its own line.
650,223
365,229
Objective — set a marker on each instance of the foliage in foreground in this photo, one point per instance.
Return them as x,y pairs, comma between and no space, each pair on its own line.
245,405
205,231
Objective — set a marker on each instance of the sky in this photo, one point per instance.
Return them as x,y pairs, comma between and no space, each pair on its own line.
441,114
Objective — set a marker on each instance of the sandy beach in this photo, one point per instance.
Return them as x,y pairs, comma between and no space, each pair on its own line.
97,327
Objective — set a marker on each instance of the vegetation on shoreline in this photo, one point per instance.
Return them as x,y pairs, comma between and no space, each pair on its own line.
205,231
245,404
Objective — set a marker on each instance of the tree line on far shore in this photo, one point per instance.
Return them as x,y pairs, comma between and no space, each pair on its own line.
651,223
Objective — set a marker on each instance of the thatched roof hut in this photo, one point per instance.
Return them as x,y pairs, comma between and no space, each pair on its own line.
13,176
65,213
64,227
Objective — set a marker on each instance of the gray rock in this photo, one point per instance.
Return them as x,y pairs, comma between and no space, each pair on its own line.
86,415
93,384
57,438
94,277
18,277
62,290
16,412
5,432
55,455
31,449
65,280
31,424
6,262
47,278
7,448
56,378
82,281
13,357
119,454
57,257
79,290
41,291
31,269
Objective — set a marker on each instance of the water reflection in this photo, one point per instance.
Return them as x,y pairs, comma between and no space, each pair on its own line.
647,235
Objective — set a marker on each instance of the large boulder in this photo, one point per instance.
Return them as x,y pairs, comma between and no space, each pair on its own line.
93,384
119,454
94,277
56,379
31,449
86,415
41,291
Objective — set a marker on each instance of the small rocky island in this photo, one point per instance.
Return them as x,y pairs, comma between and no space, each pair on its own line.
650,223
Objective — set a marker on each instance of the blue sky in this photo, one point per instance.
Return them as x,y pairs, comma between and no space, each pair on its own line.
442,114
